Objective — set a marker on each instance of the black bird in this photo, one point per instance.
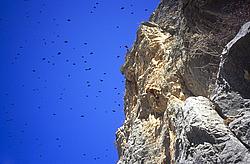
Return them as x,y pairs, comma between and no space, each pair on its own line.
87,69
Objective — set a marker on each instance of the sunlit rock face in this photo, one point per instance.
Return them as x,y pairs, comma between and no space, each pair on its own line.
188,85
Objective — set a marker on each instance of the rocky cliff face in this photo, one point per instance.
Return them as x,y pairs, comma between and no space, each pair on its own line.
188,85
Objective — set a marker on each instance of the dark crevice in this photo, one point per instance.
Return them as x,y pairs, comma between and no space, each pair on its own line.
166,142
219,110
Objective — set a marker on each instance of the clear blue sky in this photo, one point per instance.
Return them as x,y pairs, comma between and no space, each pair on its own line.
61,92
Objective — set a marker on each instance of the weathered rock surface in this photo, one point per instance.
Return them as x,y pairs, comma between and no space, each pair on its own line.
188,85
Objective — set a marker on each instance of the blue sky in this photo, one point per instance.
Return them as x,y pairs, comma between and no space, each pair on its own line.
61,92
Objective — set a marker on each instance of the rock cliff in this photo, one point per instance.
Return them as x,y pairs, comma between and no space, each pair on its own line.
187,94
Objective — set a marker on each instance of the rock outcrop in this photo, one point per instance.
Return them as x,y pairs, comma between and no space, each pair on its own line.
187,94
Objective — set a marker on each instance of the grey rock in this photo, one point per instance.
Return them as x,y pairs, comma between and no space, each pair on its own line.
241,128
205,138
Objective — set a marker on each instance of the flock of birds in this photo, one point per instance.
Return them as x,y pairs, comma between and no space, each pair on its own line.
82,62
